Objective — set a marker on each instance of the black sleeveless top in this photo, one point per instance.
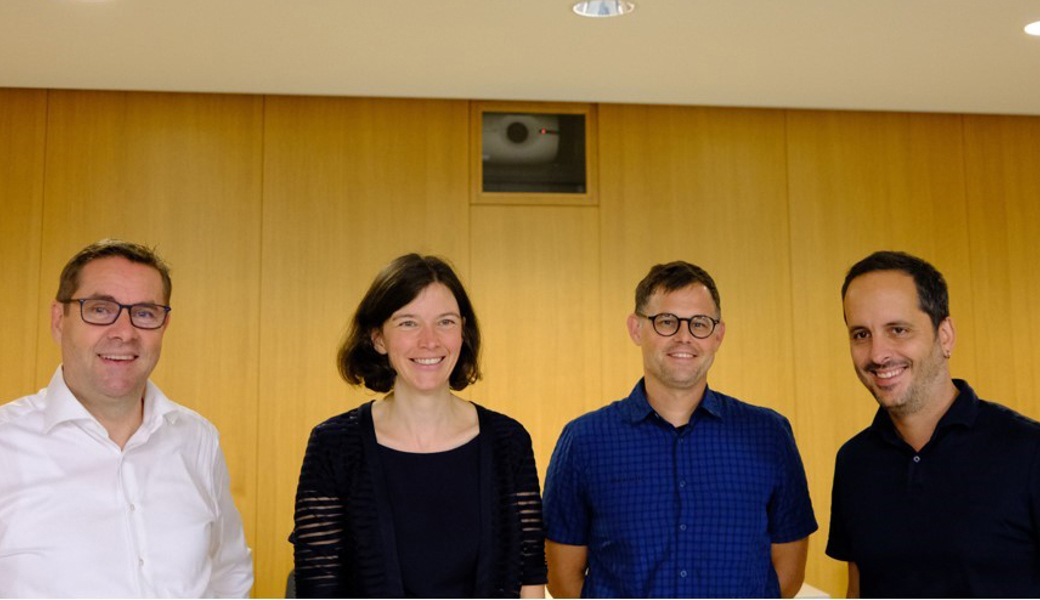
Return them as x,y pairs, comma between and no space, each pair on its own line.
434,500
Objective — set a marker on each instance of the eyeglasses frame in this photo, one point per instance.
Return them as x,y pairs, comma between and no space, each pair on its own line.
119,313
689,324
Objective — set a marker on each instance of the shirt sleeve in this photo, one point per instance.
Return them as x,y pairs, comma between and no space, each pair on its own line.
529,505
791,516
318,535
837,540
232,567
566,512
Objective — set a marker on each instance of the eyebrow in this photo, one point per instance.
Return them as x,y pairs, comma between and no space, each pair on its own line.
415,316
113,299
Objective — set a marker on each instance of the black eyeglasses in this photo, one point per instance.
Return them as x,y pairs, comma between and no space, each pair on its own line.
667,324
98,311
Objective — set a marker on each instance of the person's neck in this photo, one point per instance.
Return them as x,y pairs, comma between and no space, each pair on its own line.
420,421
121,417
917,428
674,405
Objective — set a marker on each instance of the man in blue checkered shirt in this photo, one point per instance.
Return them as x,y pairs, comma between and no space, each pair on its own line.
677,490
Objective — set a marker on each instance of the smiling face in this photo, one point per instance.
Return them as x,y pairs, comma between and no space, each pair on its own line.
422,340
679,362
898,354
109,364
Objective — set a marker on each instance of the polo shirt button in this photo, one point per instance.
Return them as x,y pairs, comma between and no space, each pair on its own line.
140,561
682,527
132,508
917,459
682,573
682,483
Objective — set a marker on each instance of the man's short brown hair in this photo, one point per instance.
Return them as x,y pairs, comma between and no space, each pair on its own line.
68,283
674,276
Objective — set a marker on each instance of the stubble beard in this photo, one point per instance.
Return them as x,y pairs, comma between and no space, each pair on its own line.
921,389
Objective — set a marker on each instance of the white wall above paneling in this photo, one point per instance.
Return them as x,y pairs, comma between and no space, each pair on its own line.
968,56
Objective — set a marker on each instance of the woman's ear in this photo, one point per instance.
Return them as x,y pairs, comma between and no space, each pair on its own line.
377,341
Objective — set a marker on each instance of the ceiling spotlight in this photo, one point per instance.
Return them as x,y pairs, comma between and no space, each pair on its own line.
1031,29
604,8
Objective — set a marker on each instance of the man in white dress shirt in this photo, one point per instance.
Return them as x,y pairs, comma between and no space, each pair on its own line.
108,488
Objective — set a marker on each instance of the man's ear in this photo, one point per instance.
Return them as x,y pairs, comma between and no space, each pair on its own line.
57,320
947,336
635,329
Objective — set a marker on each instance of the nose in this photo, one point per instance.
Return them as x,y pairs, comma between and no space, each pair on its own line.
427,337
880,350
122,329
684,335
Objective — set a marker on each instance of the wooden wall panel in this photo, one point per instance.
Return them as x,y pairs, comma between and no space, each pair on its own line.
22,135
861,182
707,186
535,286
1003,187
276,214
182,173
349,185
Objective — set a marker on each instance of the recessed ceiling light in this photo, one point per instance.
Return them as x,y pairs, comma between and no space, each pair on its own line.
1033,28
604,8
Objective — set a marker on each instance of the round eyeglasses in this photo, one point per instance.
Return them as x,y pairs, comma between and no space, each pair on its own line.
99,311
667,324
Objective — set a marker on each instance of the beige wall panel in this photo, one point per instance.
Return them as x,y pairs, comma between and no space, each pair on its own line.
707,186
535,286
180,172
861,182
23,116
1003,183
349,184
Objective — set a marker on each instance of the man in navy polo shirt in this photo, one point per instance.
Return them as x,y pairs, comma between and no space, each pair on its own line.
940,496
677,490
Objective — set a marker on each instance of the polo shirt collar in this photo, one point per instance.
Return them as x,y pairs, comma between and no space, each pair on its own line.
63,406
638,405
963,411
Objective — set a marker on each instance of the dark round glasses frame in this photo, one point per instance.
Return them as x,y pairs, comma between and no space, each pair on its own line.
678,324
163,310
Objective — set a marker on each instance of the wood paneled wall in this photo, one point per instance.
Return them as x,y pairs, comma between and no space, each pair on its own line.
276,212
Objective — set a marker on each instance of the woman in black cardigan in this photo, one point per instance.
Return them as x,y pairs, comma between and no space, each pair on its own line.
419,494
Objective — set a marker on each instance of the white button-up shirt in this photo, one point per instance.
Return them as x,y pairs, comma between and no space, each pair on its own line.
80,517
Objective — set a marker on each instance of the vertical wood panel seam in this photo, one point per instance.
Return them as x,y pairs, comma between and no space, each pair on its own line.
43,211
259,331
971,254
795,409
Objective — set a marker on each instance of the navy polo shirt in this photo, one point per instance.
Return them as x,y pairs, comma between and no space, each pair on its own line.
678,512
960,518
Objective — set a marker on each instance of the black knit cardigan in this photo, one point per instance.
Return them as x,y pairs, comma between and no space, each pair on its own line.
344,538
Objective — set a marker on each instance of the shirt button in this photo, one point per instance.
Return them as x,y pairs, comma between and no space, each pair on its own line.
682,527
140,561
682,573
682,483
917,459
132,508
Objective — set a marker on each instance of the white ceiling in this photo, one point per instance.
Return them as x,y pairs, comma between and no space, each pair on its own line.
906,55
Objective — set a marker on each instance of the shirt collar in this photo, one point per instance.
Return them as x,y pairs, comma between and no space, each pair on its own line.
62,405
638,405
963,411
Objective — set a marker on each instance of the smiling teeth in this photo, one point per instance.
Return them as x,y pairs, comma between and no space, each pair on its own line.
427,361
682,355
888,374
117,357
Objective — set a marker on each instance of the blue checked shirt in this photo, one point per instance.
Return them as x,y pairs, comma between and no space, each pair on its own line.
678,512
